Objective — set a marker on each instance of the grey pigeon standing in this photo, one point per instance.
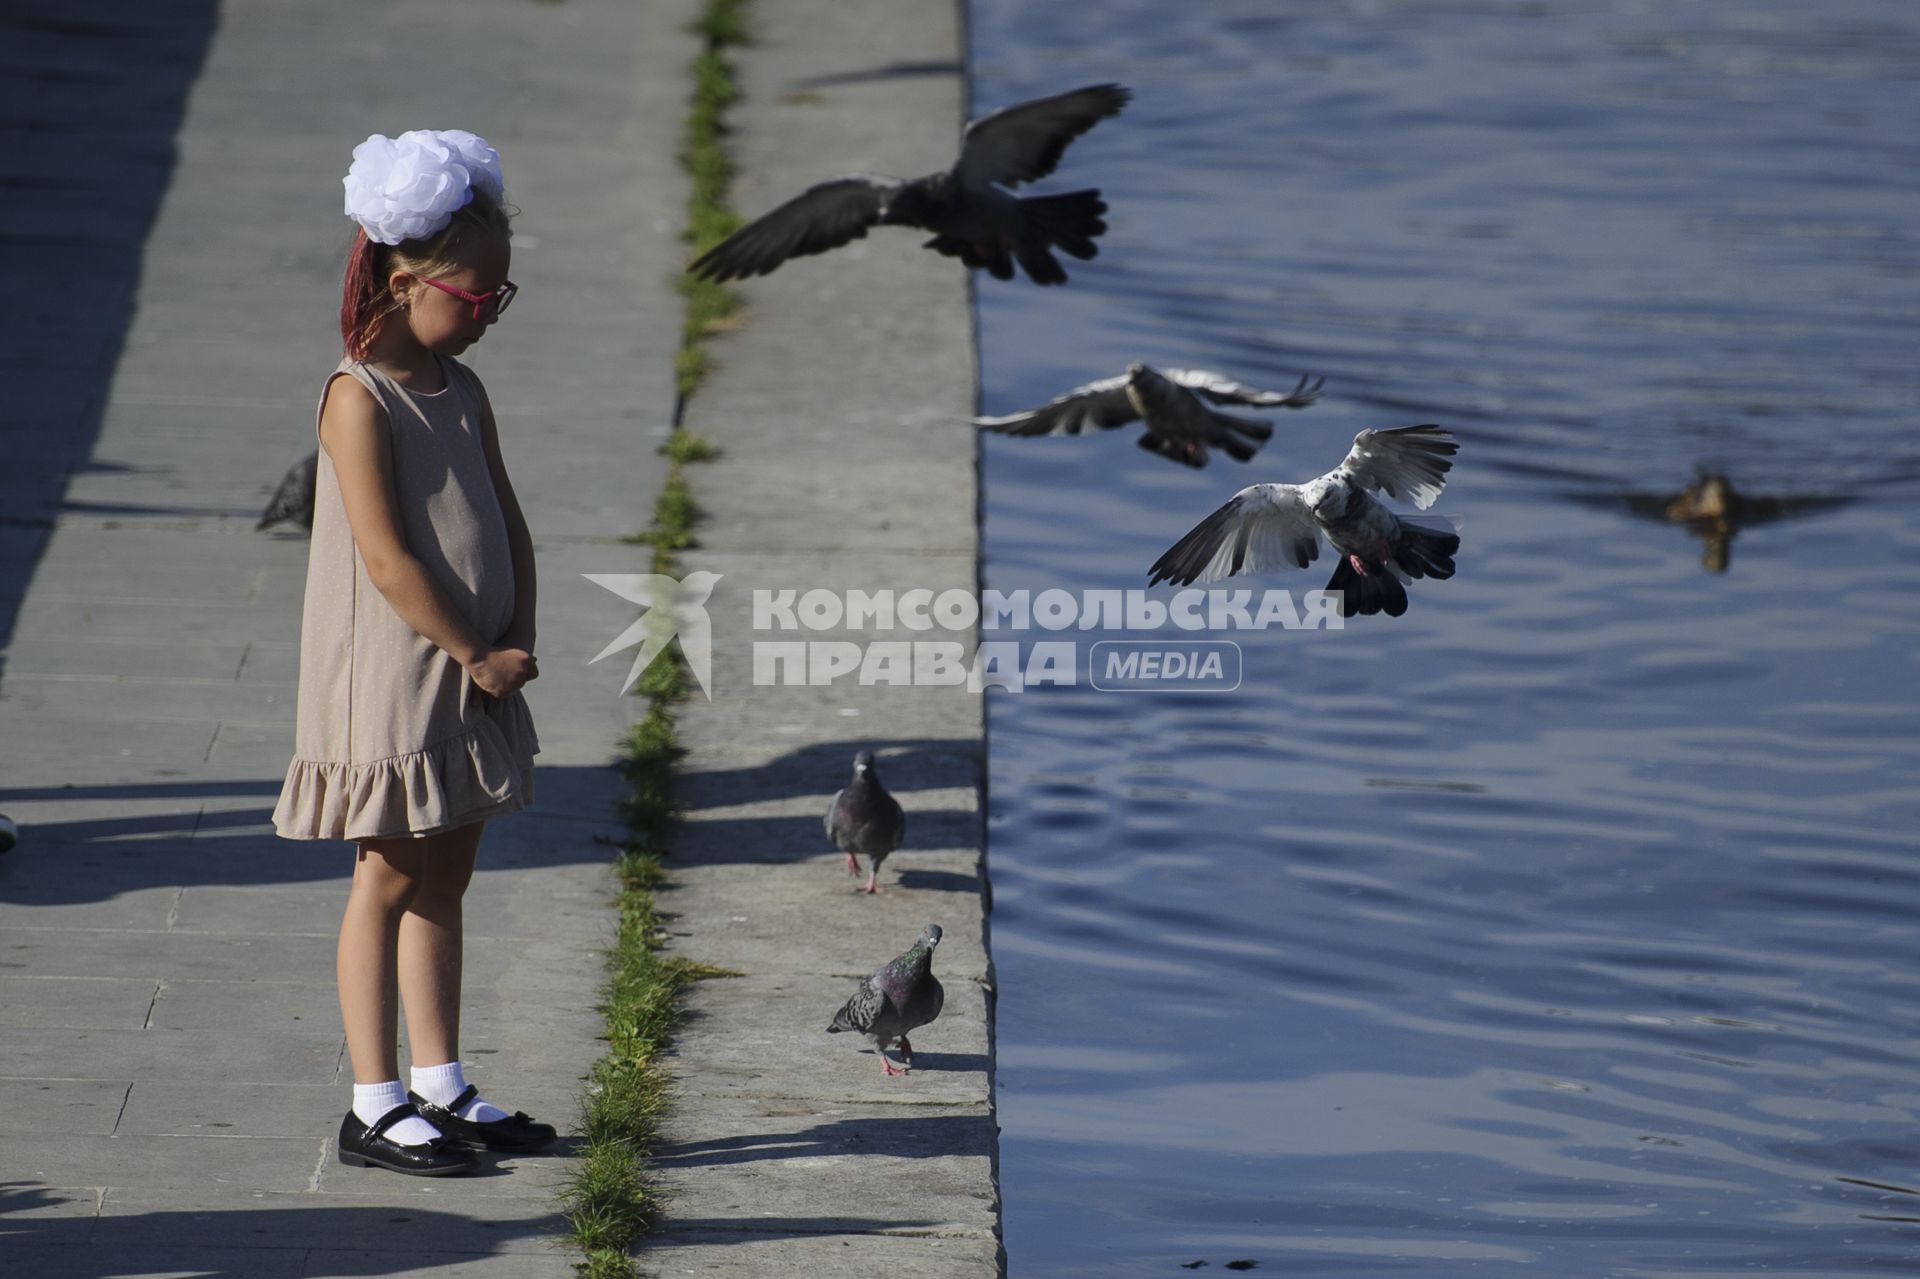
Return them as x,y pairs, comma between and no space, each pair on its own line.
1273,525
973,215
864,819
1175,405
898,998
293,500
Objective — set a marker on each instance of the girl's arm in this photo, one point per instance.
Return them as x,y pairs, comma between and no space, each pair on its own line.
354,431
520,631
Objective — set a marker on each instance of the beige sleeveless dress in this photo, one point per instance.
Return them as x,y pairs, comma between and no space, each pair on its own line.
392,737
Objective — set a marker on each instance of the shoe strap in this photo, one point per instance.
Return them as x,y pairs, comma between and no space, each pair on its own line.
405,1110
453,1107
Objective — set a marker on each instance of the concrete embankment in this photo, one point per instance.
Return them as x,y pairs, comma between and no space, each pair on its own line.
171,1065
839,406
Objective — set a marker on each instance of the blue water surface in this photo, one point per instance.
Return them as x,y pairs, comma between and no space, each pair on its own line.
1565,925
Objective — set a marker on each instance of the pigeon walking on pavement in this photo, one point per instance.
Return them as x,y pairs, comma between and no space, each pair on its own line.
865,820
900,997
1276,525
969,208
293,500
1176,406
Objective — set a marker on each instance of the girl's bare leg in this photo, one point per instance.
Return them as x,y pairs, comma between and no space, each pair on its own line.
429,951
386,878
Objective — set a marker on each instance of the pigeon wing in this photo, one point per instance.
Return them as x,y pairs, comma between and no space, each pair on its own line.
832,820
1407,462
1024,142
862,1012
1261,526
822,217
1102,405
1224,390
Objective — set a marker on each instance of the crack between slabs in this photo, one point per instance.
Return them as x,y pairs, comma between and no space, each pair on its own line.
313,1181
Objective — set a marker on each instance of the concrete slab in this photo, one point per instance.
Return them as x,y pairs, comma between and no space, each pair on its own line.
846,462
206,1165
258,1057
365,1222
41,1003
828,1247
85,1258
763,1166
88,1106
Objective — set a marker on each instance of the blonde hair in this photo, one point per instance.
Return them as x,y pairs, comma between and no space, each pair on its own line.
365,299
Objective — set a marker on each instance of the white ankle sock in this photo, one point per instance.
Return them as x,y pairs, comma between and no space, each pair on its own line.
370,1101
441,1084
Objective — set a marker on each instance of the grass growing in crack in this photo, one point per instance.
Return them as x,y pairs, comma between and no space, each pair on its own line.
610,1201
703,154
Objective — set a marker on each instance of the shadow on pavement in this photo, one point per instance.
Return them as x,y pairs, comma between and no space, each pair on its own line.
91,96
122,837
929,1137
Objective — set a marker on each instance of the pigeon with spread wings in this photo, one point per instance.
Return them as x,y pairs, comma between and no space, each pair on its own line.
1280,525
973,215
1174,404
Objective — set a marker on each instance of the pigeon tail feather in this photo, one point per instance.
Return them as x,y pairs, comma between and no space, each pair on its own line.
1071,221
1426,552
1377,592
1238,449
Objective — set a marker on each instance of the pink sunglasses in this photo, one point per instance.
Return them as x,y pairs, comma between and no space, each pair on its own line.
492,302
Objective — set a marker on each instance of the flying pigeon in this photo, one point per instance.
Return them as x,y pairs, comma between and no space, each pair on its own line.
1174,404
973,216
293,500
864,819
902,996
1272,525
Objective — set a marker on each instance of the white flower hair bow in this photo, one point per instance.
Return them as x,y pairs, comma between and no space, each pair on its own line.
408,187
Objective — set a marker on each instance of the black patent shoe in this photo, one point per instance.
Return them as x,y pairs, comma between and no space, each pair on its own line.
362,1146
518,1133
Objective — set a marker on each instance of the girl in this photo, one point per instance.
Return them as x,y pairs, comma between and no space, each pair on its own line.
416,638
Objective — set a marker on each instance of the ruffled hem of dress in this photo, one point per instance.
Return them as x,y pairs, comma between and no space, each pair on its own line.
484,772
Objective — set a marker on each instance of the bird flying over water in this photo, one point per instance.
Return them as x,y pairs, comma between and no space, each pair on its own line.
1715,511
1278,525
1176,406
901,996
969,208
293,500
866,820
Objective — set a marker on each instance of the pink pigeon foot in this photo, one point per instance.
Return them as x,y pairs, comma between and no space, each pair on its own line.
873,886
853,866
887,1066
1358,566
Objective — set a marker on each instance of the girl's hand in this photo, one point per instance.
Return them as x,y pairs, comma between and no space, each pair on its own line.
503,671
